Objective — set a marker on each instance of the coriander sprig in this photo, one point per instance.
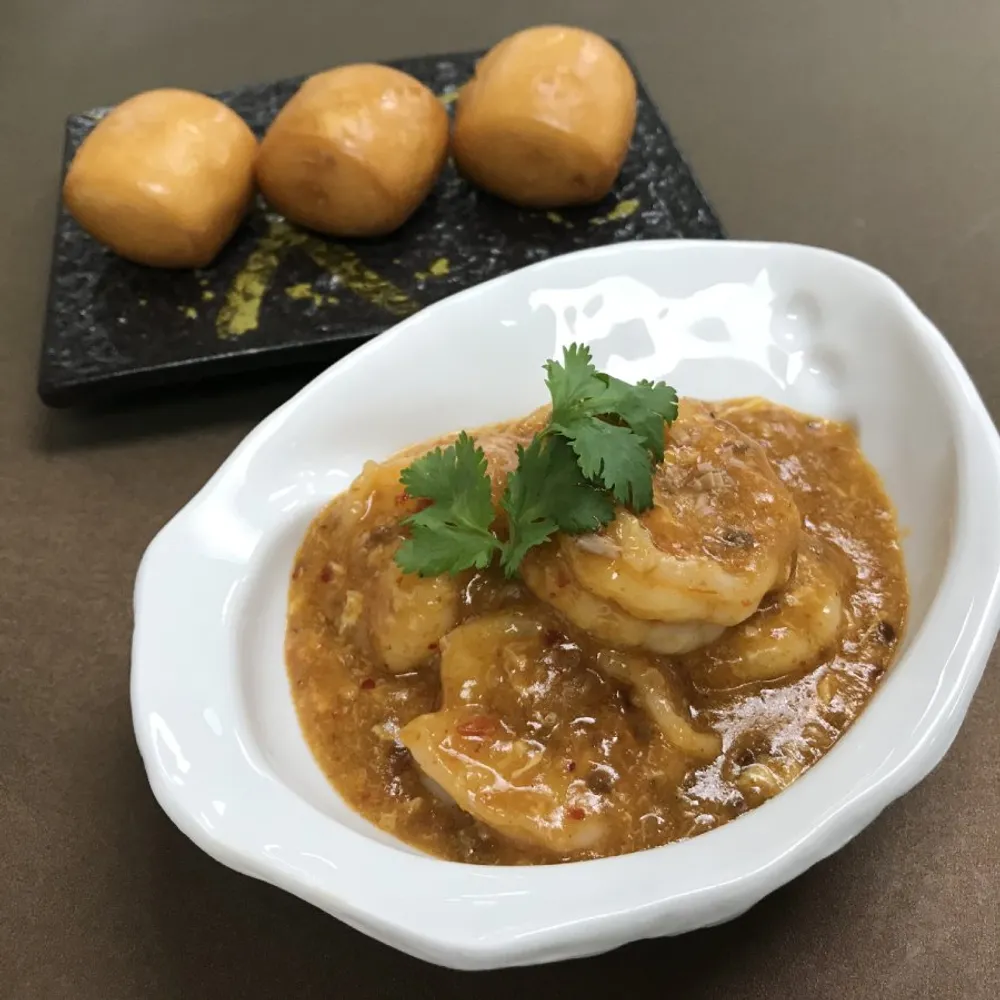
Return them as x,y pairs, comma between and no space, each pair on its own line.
600,445
615,429
546,493
453,533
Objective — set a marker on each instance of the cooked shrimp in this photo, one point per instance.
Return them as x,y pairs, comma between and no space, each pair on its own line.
480,751
492,657
722,532
547,574
510,784
404,615
652,690
409,615
801,623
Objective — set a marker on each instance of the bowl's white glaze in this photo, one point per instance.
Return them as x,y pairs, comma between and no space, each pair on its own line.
806,327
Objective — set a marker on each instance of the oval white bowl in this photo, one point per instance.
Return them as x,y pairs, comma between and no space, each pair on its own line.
806,327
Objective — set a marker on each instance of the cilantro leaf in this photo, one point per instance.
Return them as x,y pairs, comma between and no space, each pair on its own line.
439,545
455,475
579,505
547,492
615,457
646,407
572,383
453,533
661,397
615,429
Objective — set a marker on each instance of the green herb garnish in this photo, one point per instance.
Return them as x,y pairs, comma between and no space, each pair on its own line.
599,447
616,429
546,493
453,533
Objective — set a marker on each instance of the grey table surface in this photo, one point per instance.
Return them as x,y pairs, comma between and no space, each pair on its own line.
869,127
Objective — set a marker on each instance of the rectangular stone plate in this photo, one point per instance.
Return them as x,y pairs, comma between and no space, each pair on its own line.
277,295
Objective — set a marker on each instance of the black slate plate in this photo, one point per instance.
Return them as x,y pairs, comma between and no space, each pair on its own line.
279,295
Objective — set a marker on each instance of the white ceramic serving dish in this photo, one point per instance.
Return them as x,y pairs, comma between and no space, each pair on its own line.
806,327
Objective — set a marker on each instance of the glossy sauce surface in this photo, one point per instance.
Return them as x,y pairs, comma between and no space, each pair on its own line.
571,714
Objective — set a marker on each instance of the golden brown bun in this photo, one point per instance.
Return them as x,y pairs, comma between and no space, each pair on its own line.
355,151
164,179
547,118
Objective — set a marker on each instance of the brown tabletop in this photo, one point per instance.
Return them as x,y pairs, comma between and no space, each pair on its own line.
872,128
